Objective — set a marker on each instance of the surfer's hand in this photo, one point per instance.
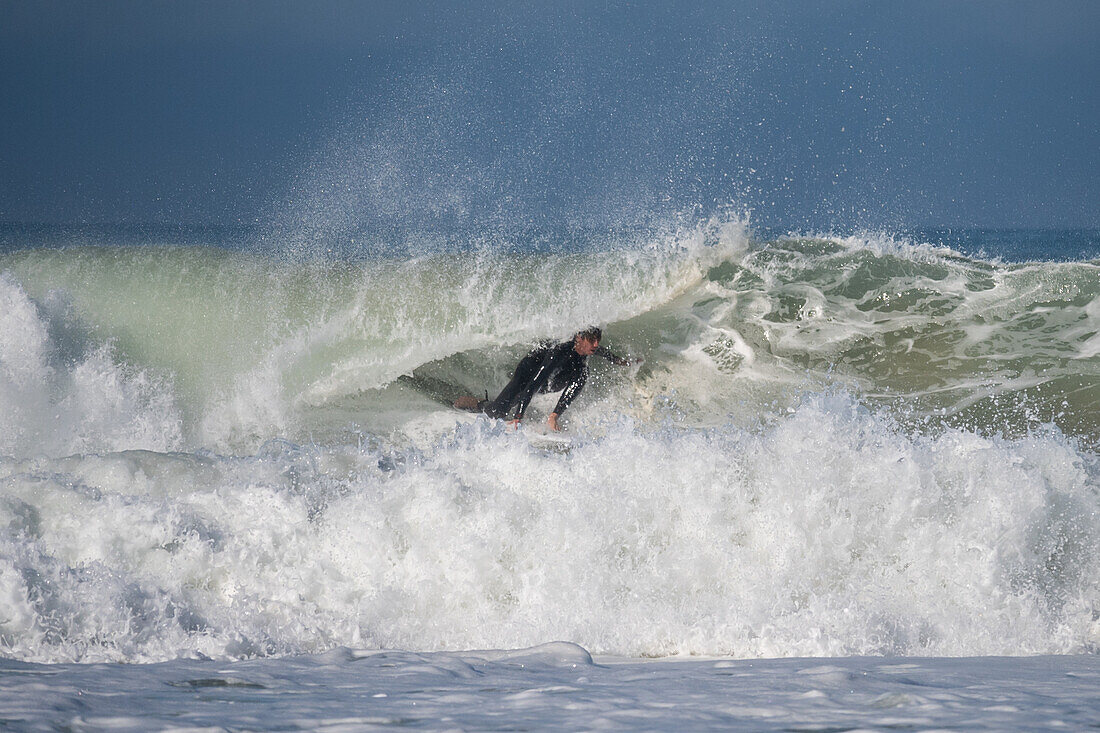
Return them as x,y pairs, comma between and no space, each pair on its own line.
553,420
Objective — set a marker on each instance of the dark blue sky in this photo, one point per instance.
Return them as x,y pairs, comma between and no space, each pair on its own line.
324,116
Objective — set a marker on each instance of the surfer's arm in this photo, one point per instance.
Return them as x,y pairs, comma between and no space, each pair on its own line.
570,393
615,358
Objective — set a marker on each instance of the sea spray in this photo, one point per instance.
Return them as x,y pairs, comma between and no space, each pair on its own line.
827,532
61,392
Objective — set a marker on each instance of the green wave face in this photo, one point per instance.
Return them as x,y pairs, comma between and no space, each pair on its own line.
935,335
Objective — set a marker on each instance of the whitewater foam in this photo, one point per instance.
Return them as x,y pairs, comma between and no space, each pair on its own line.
61,394
828,533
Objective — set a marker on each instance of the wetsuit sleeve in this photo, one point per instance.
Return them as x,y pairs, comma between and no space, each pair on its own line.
611,356
571,391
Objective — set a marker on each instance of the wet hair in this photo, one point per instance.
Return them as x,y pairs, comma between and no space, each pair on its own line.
592,333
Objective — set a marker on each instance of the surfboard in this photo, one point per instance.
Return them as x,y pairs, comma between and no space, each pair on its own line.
538,434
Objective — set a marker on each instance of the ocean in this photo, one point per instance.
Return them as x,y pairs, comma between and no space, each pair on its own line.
849,480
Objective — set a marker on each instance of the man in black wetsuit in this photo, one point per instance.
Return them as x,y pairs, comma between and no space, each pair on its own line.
548,368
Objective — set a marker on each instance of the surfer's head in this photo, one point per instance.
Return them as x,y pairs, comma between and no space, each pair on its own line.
587,341
592,333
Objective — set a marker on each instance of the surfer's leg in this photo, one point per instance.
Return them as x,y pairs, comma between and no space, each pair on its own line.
525,372
468,402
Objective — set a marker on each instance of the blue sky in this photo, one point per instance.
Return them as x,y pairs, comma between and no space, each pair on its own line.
837,115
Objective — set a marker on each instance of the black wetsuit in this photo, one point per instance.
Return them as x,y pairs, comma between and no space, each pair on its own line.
548,368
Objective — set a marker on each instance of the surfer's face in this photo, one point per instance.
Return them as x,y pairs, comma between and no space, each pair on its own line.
586,347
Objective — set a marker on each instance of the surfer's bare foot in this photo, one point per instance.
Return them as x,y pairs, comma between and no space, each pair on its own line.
466,403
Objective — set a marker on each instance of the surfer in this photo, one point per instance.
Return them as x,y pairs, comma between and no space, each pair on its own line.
548,368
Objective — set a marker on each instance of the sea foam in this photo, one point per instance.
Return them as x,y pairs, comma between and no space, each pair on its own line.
827,532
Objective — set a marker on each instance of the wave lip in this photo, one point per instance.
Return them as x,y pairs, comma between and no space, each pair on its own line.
61,393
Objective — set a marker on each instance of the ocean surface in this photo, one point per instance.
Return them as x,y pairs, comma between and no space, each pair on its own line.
850,480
